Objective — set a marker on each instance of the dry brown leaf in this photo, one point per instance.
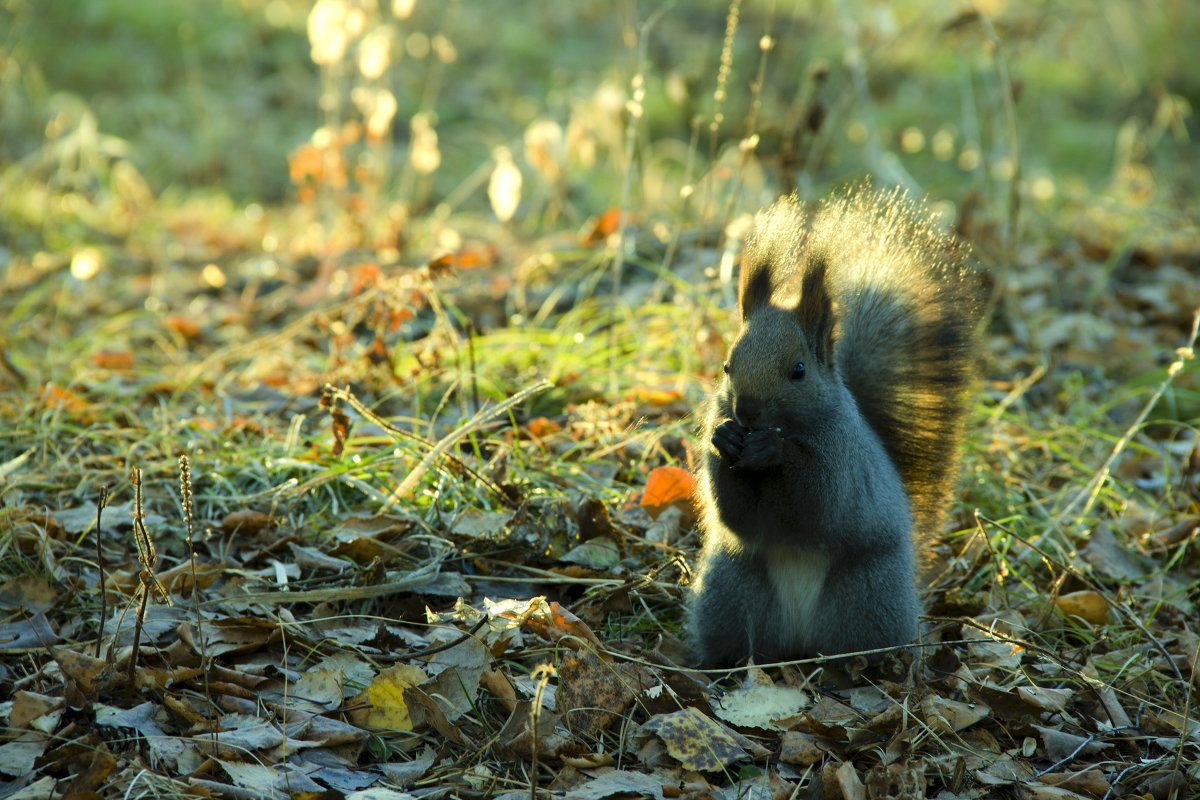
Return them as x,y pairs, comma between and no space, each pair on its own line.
593,693
801,749
848,781
695,741
320,686
474,522
245,522
29,707
427,710
1045,698
29,592
1089,782
457,673
516,734
80,668
944,716
556,624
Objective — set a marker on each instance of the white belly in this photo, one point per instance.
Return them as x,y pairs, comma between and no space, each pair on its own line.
797,579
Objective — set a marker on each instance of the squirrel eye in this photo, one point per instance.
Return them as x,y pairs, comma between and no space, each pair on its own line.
797,370
725,368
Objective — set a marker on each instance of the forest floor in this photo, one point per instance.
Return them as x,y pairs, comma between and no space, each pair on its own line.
349,363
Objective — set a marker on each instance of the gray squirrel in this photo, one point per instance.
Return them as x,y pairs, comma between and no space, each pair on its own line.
831,446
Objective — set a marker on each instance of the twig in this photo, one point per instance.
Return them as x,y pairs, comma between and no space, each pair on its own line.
101,502
428,651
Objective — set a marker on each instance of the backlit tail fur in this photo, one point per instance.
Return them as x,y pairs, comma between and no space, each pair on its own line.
906,312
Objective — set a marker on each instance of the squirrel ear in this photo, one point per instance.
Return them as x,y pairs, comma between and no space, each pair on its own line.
754,283
815,309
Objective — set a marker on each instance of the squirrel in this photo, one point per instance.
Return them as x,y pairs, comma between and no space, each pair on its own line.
831,444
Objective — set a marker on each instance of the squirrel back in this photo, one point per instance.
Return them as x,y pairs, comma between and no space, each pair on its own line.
906,308
832,443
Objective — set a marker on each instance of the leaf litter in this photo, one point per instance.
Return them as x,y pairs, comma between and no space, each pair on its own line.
413,551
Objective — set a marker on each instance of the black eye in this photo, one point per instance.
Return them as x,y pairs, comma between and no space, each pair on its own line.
726,368
797,370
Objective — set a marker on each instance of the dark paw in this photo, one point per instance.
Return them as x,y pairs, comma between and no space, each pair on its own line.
761,449
729,438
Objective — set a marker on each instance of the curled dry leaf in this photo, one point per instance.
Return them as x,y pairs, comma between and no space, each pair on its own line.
759,703
1089,606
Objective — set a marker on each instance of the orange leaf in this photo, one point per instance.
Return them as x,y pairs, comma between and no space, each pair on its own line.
604,226
113,359
669,486
182,325
540,427
657,397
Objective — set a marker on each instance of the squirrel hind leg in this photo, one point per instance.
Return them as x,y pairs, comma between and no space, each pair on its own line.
726,608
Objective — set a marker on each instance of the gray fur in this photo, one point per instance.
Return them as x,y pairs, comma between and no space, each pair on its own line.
811,485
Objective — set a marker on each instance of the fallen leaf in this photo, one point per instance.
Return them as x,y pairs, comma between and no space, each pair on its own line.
618,782
599,553
695,741
245,522
944,716
17,758
113,359
381,704
670,486
1089,606
29,592
801,749
593,693
28,707
848,781
27,632
759,703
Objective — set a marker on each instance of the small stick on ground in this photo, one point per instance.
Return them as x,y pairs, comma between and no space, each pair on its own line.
101,502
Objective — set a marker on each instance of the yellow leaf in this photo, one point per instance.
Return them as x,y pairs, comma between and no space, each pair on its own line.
1086,605
382,704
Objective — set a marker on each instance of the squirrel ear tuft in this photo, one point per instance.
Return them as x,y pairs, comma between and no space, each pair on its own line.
815,311
754,283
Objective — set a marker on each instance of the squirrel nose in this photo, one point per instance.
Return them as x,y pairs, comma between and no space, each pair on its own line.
748,411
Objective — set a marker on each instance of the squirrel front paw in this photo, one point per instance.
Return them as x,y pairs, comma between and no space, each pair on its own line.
747,449
729,438
761,449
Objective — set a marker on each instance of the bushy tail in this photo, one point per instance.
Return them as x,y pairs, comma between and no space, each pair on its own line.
906,309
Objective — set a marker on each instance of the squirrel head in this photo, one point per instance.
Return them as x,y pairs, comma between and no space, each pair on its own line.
781,370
